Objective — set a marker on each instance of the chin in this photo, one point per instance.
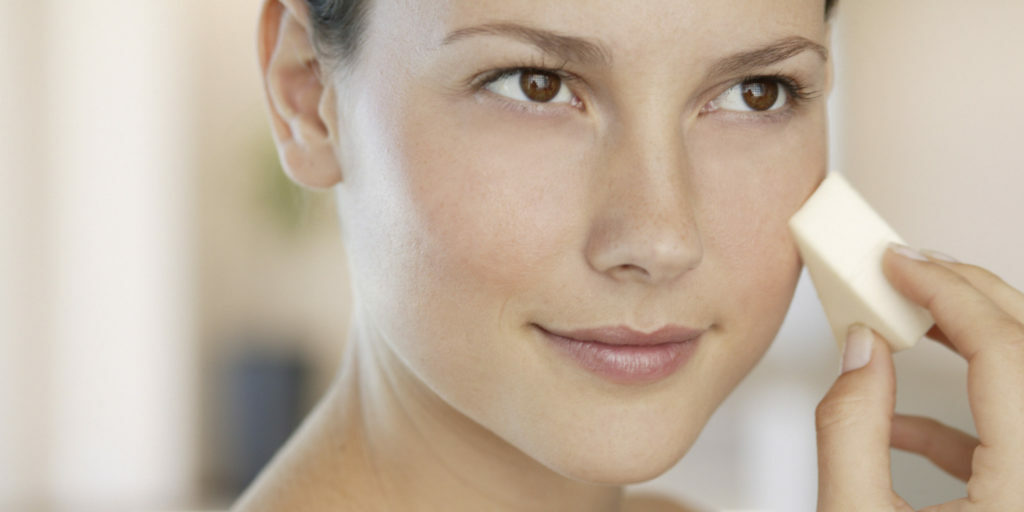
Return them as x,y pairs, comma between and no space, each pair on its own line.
621,460
619,471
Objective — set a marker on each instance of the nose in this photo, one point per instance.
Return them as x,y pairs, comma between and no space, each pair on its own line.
643,227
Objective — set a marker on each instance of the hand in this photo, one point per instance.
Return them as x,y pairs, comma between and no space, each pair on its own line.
981,318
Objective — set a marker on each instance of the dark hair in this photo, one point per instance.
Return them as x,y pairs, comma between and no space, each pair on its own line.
829,6
338,25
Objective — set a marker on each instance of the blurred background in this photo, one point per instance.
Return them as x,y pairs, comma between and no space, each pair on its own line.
170,305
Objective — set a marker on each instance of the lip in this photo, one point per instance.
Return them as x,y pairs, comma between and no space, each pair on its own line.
627,356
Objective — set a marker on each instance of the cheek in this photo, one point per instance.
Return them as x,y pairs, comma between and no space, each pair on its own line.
751,181
493,195
470,206
486,205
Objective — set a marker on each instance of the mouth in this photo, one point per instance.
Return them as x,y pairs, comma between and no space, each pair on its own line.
624,355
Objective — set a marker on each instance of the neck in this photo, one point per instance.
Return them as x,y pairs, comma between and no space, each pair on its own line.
420,450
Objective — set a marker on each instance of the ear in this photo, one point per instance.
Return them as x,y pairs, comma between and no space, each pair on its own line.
302,109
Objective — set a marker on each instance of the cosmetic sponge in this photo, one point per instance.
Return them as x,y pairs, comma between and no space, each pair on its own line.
842,240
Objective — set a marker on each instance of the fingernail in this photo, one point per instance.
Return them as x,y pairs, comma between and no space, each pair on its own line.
858,348
936,255
906,251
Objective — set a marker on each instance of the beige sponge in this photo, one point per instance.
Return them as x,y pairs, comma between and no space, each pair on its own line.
842,240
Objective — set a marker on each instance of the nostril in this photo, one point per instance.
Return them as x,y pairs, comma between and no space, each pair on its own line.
648,237
640,260
630,269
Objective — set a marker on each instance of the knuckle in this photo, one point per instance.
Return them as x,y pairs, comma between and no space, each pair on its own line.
982,276
1017,339
999,490
949,292
1013,348
838,412
1007,333
988,281
1007,352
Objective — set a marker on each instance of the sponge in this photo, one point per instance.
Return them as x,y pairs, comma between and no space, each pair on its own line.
842,240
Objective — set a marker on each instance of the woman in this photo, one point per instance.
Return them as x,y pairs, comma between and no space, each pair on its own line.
566,224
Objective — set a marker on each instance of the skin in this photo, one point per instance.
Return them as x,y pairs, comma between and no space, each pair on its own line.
981,318
470,219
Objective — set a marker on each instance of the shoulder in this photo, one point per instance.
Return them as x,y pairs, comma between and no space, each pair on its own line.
321,467
648,502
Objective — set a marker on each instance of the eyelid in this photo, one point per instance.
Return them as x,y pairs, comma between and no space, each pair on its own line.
480,82
797,94
494,75
511,64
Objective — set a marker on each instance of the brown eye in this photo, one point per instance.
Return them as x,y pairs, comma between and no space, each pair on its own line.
760,94
539,86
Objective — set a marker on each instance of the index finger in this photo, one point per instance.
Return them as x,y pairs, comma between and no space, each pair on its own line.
1005,296
989,338
999,291
971,320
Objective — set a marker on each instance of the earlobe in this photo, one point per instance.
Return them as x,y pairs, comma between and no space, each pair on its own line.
296,96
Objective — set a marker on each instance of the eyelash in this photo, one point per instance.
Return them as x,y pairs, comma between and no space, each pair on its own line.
487,78
795,88
797,92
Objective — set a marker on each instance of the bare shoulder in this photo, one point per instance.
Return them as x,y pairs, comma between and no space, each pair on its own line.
302,482
321,467
648,502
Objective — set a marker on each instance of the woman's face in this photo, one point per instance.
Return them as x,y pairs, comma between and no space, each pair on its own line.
636,178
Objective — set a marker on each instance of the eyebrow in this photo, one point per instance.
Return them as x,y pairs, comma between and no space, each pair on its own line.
777,51
569,48
578,49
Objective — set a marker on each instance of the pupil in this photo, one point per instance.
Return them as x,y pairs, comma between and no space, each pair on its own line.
760,95
540,86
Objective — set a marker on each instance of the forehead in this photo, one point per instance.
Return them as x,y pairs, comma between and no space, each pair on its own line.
626,28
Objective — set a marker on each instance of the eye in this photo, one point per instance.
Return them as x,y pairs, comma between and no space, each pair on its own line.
752,95
531,85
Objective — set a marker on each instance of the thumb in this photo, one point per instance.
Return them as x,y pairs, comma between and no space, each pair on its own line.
854,422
